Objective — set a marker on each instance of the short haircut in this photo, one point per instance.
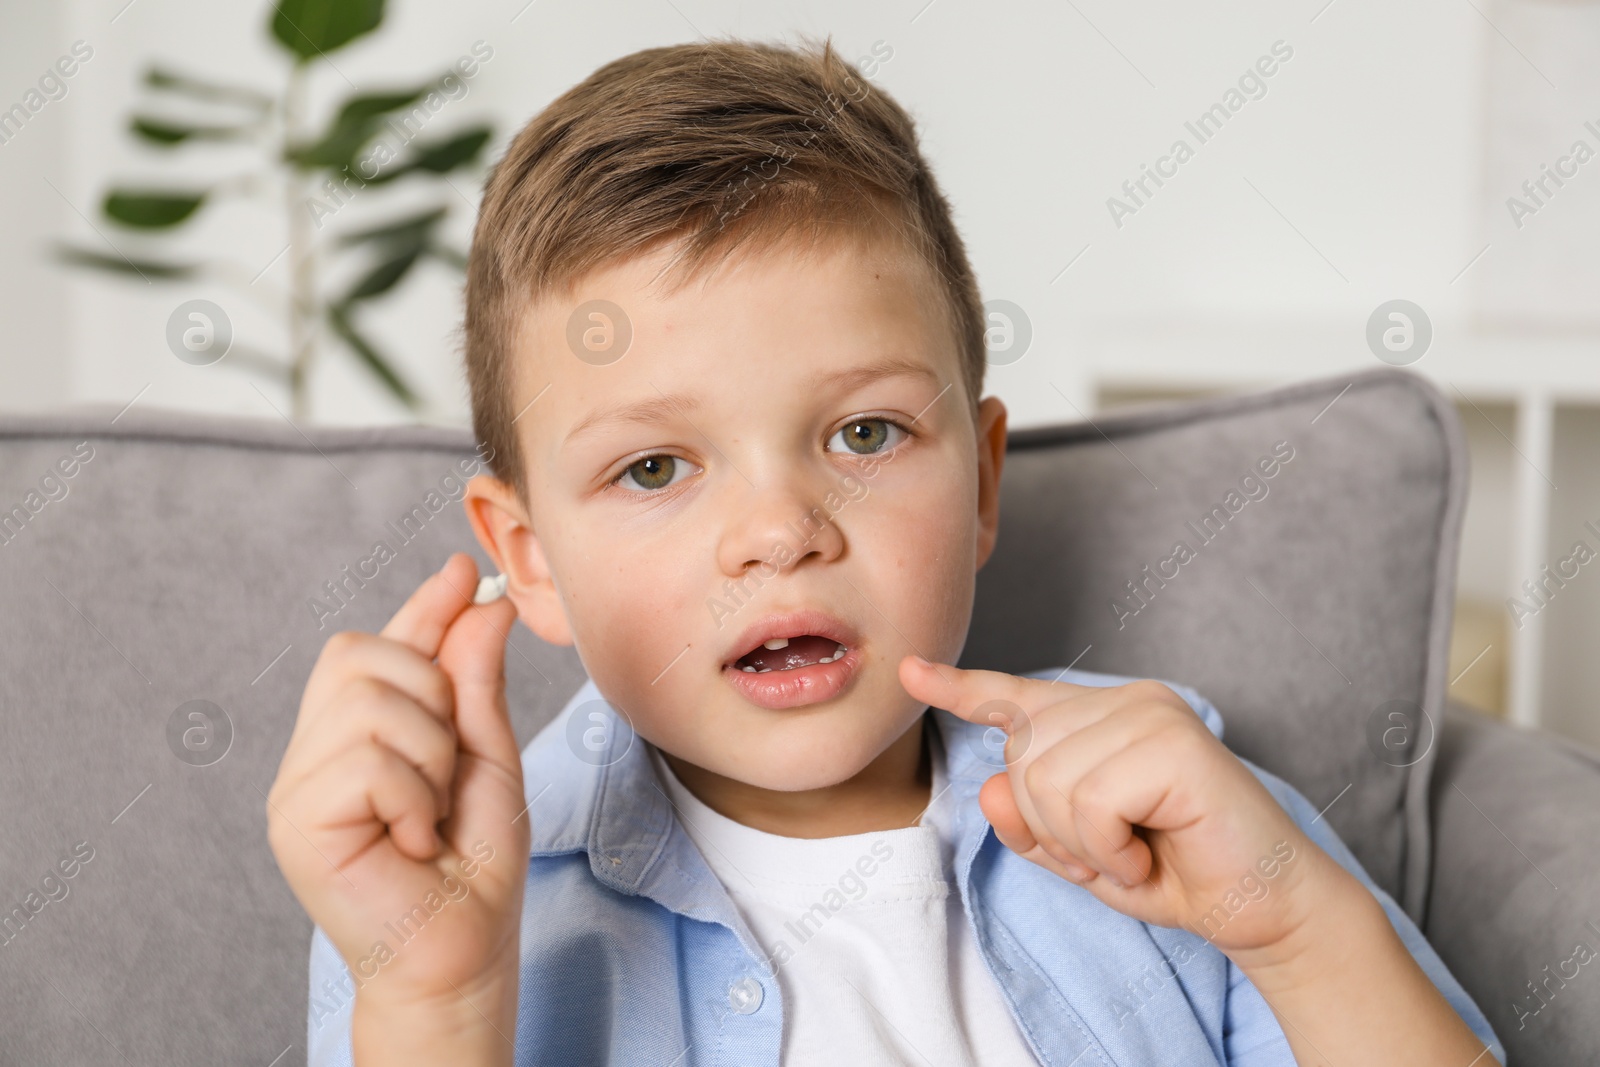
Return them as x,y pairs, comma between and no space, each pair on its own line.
716,145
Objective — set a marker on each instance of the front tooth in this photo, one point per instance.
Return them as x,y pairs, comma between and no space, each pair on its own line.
765,670
748,670
841,650
825,659
776,643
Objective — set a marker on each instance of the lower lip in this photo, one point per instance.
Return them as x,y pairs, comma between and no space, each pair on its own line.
797,686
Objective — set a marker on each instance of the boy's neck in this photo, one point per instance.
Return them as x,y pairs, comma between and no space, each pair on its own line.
888,794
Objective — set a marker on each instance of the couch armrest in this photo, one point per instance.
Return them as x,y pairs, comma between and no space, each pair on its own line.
1514,901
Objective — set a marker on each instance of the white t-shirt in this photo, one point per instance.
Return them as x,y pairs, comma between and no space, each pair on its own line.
875,958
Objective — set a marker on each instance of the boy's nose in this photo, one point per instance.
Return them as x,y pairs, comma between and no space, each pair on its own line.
774,528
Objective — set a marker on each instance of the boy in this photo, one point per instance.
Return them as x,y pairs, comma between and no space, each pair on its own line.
727,353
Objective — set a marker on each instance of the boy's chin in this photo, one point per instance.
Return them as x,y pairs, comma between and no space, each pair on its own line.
804,779
819,755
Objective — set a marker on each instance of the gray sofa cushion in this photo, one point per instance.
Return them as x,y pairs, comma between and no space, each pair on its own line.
1516,884
181,558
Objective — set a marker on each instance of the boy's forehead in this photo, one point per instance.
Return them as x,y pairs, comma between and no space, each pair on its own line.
631,328
791,273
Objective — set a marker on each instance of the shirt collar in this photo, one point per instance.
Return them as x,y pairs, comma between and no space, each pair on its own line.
591,788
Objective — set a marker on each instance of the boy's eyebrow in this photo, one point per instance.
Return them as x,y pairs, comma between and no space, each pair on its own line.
656,409
661,408
895,366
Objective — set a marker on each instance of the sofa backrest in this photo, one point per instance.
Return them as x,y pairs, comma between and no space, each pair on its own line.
169,580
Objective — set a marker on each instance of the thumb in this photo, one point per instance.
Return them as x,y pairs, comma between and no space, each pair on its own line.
473,654
999,805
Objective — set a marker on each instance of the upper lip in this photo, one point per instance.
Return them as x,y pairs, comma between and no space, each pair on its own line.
791,624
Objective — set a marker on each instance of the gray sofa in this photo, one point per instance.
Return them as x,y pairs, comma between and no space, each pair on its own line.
161,586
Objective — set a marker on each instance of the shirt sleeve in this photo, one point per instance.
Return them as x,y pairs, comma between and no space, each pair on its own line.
1251,1034
328,1011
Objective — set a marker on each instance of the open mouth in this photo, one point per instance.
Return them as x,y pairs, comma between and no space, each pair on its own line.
789,653
794,659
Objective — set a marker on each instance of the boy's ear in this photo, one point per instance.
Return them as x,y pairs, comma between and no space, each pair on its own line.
506,533
991,458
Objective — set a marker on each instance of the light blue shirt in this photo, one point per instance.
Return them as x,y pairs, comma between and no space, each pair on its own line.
634,954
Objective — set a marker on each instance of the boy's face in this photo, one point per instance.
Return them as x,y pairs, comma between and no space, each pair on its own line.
785,449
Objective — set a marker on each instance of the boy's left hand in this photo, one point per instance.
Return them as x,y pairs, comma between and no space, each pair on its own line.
1124,791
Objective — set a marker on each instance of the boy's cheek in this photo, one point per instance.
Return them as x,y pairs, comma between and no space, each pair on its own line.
919,567
634,611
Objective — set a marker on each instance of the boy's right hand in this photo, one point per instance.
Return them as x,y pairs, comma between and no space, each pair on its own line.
388,744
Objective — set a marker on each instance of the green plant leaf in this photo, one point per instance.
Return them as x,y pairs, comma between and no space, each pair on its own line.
455,152
448,255
385,276
371,105
339,319
151,211
441,157
203,89
144,268
162,132
353,127
310,28
406,233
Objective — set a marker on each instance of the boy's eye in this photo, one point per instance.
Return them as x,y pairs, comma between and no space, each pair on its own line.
653,472
866,436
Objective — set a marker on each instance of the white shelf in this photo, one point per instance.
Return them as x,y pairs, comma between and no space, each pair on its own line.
1206,355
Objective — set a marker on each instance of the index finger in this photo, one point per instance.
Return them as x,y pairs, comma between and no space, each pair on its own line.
989,698
426,616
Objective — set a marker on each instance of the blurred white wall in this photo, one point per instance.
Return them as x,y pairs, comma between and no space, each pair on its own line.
1367,140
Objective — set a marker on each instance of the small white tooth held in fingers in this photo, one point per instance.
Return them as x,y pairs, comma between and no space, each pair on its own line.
776,643
490,588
